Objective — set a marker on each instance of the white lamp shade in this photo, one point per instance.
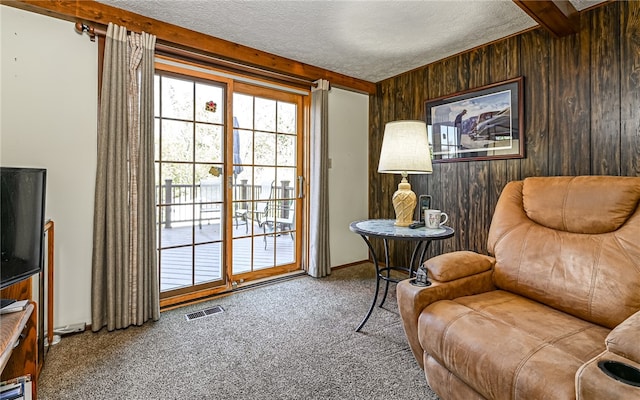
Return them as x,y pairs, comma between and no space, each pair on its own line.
405,148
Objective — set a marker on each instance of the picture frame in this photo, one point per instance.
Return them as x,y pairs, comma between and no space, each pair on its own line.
485,123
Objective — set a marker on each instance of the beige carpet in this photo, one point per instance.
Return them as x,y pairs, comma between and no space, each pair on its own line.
290,340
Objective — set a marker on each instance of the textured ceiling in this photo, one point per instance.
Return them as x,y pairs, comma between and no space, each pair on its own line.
369,40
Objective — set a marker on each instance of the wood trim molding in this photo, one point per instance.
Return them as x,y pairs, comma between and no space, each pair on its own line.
50,232
90,11
559,17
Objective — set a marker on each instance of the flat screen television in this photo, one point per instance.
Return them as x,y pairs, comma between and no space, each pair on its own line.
22,209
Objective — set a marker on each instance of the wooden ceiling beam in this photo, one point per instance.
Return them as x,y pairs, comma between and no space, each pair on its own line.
559,17
89,12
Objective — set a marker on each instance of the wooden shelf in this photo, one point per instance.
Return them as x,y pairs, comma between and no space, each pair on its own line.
28,357
19,345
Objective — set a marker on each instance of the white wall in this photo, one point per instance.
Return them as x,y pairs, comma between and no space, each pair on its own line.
48,85
348,176
48,118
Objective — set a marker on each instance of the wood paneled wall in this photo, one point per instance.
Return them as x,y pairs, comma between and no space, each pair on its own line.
582,117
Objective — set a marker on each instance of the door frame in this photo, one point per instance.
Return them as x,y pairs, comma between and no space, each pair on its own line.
240,83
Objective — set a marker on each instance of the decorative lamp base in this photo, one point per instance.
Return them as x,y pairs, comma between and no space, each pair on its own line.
404,203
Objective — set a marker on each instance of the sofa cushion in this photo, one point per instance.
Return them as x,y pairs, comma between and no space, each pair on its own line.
538,236
445,384
568,203
503,345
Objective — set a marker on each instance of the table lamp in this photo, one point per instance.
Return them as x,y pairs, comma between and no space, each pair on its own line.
405,150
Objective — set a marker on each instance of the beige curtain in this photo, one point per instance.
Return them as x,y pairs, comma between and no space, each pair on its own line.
125,289
319,256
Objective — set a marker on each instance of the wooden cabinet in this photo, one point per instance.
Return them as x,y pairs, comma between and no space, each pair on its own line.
19,345
23,328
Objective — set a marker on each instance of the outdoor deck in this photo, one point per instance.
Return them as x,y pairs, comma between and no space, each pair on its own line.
249,254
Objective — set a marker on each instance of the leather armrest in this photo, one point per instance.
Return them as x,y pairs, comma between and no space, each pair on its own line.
593,384
623,339
413,299
622,346
458,264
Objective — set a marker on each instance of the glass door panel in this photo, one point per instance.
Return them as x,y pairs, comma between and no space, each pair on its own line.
190,137
267,125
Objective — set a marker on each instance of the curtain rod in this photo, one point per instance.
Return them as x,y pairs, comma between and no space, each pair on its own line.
162,48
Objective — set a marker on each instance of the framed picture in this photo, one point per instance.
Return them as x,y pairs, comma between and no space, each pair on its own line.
479,124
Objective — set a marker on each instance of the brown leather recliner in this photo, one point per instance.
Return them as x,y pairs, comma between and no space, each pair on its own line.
559,293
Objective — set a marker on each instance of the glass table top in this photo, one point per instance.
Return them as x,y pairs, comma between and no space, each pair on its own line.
385,228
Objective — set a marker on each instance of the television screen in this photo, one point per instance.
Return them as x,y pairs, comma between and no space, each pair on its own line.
22,208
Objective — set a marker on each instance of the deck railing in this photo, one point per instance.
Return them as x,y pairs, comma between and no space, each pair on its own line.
176,196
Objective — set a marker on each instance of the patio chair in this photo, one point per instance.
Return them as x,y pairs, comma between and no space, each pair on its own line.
209,193
257,211
241,207
241,217
278,216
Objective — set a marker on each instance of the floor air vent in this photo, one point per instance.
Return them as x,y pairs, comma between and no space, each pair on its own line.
204,313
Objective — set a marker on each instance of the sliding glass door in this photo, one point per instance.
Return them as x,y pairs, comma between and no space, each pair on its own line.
228,159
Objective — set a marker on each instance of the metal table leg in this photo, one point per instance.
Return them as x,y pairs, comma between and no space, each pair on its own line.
388,269
412,262
413,258
421,244
424,251
375,296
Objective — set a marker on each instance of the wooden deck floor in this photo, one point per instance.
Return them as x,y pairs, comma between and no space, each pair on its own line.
183,263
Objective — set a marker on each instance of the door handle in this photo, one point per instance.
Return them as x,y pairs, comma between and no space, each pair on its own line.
300,186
